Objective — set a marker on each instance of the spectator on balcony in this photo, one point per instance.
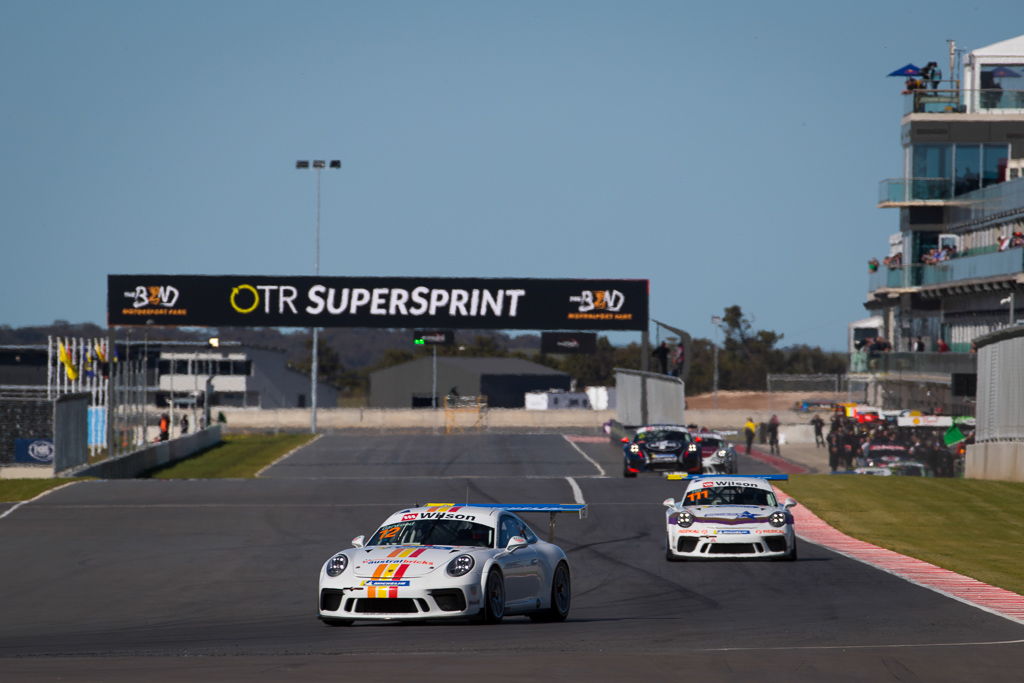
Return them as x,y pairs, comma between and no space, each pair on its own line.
894,261
661,353
873,265
1017,240
941,345
931,74
1004,243
918,345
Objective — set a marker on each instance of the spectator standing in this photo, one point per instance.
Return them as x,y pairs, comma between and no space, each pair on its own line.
773,435
749,429
661,353
184,425
678,360
918,345
165,427
819,424
942,346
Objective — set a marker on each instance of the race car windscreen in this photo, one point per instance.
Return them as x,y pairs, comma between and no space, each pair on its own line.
707,442
730,495
662,435
435,532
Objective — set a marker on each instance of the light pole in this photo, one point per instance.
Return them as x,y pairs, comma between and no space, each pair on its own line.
716,321
318,165
1010,300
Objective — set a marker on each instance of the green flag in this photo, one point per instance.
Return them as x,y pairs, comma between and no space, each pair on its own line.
953,436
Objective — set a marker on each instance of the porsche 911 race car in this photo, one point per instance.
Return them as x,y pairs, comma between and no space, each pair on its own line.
735,516
717,455
444,561
660,448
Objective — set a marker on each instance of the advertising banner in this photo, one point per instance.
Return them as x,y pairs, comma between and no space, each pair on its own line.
388,302
33,451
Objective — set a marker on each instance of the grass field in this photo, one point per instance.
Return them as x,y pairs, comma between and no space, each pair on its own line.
238,456
975,528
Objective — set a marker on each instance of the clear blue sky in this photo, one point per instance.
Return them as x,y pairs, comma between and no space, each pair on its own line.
729,152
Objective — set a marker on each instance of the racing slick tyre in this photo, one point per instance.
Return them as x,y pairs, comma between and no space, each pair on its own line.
791,556
561,596
494,599
626,473
335,622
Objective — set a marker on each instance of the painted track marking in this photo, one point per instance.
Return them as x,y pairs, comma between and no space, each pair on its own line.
579,450
44,493
289,454
577,493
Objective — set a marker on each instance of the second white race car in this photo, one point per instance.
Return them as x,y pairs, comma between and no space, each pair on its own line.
444,561
729,516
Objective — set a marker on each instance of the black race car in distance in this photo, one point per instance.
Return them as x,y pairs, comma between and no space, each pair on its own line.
660,448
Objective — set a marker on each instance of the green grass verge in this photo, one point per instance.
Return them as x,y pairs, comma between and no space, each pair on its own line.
17,490
975,528
238,456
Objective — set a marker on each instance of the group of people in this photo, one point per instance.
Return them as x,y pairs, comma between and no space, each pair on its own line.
930,74
938,255
674,357
771,433
848,446
1014,240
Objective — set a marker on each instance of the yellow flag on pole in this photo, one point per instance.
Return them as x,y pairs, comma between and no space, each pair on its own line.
65,359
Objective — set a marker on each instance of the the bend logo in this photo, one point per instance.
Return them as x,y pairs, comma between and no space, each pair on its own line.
599,300
147,295
41,450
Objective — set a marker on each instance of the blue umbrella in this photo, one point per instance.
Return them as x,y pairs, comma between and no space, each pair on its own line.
908,70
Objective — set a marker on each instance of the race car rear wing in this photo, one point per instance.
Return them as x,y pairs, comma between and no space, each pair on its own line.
551,508
686,475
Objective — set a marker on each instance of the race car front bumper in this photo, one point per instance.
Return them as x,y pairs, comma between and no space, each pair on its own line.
391,601
697,544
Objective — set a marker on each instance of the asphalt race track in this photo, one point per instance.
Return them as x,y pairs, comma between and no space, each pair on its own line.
216,580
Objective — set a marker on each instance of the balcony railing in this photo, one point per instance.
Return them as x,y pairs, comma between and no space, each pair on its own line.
959,101
900,190
914,363
959,268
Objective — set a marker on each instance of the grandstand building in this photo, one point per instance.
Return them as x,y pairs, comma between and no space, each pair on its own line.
954,270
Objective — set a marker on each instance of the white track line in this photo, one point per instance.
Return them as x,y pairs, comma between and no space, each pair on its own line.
577,494
290,453
589,459
44,493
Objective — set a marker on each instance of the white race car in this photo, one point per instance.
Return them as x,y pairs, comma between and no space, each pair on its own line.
442,561
729,516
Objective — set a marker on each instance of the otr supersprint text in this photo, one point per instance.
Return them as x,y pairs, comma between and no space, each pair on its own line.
319,299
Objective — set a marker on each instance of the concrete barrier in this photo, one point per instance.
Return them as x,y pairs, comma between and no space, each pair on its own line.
1003,461
327,419
133,464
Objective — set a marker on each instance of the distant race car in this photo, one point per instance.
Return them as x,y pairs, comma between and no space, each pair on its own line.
660,448
717,455
734,516
444,561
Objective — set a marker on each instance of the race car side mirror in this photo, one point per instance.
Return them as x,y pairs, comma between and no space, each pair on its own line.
789,502
669,502
624,439
515,543
358,541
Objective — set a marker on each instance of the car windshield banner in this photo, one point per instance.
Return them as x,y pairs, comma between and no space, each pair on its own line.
390,302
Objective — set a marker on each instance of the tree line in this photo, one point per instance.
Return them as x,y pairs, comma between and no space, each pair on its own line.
346,357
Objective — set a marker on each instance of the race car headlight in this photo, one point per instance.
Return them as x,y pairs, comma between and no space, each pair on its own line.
634,449
684,519
777,519
336,565
461,565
